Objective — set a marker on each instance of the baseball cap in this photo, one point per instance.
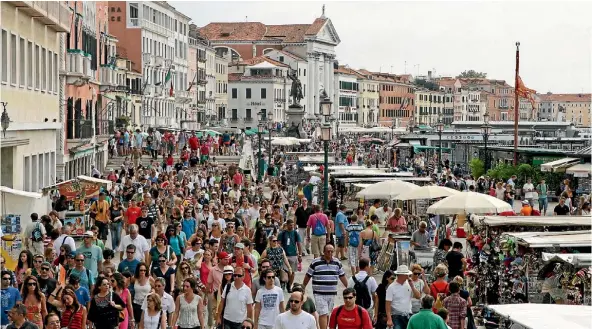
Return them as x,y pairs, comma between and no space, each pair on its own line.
223,255
239,246
89,233
72,254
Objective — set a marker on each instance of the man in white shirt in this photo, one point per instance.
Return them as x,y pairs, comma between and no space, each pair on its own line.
216,218
398,299
269,302
142,246
206,215
371,284
383,213
529,191
167,301
237,303
295,318
64,239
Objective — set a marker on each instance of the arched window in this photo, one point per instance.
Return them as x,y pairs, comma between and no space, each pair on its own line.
223,51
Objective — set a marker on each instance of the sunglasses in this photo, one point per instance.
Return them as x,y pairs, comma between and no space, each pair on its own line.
38,261
349,297
80,260
416,273
130,252
162,260
8,279
45,268
270,277
31,284
184,268
294,301
238,275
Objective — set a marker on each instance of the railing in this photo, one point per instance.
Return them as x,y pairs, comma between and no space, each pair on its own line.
156,28
105,127
86,67
134,22
201,59
79,129
107,75
148,59
248,119
75,63
159,60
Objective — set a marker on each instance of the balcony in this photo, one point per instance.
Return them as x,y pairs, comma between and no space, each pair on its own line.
182,97
159,61
147,59
201,101
87,72
234,120
74,71
201,59
153,27
202,81
106,78
54,14
248,119
78,132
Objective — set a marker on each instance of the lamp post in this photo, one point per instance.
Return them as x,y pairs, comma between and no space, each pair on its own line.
5,119
326,138
269,126
440,129
486,131
393,128
259,155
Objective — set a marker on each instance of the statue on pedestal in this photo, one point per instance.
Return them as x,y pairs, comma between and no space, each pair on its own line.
296,92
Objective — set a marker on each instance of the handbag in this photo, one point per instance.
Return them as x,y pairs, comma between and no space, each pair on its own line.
375,246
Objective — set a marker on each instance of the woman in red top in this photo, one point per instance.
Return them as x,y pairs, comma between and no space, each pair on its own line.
439,288
74,314
34,300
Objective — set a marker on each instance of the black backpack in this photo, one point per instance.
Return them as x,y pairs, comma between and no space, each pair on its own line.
363,297
36,235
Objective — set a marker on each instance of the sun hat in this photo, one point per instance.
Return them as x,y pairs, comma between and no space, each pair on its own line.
228,269
403,270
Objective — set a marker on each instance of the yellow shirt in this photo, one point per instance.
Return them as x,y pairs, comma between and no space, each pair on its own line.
371,211
102,209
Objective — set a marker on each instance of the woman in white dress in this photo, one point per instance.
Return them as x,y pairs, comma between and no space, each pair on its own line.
153,317
189,307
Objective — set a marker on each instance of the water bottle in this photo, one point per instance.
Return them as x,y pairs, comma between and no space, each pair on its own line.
299,266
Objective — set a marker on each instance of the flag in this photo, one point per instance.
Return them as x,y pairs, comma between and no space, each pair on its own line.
404,104
168,76
192,82
524,92
171,90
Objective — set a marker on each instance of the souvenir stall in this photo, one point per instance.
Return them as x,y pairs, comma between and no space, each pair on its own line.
529,273
17,207
79,193
538,316
489,266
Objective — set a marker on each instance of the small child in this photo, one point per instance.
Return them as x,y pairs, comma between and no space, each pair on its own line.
443,313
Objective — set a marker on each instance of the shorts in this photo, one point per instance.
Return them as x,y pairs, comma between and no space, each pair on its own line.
226,143
353,255
293,261
324,304
340,241
317,243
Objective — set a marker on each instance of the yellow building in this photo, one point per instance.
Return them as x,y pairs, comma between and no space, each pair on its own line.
222,88
429,104
368,98
32,57
574,108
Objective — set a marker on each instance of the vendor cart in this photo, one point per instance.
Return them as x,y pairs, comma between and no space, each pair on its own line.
540,316
394,252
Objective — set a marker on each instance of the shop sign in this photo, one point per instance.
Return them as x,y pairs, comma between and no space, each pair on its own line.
91,190
539,160
255,104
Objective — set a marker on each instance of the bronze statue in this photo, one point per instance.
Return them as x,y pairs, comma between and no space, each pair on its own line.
296,92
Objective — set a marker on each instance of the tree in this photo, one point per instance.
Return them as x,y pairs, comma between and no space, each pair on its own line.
427,84
477,167
472,74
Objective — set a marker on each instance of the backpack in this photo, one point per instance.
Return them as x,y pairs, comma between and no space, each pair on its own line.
354,237
363,297
463,185
439,303
319,228
36,235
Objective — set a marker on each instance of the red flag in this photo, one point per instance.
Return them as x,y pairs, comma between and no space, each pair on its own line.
171,90
524,92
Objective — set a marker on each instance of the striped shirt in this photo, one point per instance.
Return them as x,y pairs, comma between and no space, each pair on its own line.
325,275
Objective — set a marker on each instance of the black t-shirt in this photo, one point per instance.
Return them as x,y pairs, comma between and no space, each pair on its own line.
234,221
561,210
178,166
26,325
302,216
145,226
193,160
455,265
333,207
47,286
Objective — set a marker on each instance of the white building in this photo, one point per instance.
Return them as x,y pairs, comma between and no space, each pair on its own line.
346,89
32,55
257,85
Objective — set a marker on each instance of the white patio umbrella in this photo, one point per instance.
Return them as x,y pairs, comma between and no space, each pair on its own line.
469,202
427,192
386,189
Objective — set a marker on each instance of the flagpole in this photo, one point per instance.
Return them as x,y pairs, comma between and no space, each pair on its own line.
516,105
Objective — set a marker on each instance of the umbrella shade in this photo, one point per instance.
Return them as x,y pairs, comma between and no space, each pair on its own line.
427,192
253,131
388,189
469,202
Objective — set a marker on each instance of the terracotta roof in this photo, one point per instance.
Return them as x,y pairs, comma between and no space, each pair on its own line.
260,59
565,97
446,82
287,53
251,31
346,70
234,76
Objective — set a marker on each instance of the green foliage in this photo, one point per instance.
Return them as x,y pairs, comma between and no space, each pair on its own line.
472,74
426,84
477,167
502,171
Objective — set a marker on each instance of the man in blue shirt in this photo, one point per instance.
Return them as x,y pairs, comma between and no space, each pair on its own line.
82,293
9,297
130,262
340,225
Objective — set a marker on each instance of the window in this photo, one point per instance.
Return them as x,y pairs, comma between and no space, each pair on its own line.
49,71
55,73
133,10
30,64
234,114
4,58
248,114
37,61
263,93
22,61
13,66
248,93
43,68
234,93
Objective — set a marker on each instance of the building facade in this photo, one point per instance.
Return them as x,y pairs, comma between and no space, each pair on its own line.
368,100
314,42
574,108
32,56
257,85
221,100
397,103
430,106
347,89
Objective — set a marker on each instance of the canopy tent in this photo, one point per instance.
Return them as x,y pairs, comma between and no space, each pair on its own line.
532,220
580,170
546,316
427,192
469,202
254,131
559,165
96,180
212,133
386,190
574,259
552,239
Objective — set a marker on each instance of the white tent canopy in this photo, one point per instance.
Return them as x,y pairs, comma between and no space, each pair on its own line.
427,192
546,316
96,180
559,165
469,202
532,220
386,189
580,170
575,259
552,239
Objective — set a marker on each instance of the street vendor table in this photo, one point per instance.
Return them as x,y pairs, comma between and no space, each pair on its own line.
394,252
544,316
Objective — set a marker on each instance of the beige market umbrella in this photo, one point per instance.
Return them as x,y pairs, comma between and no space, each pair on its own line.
388,189
469,202
427,192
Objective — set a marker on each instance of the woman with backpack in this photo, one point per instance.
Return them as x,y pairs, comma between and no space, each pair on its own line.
439,288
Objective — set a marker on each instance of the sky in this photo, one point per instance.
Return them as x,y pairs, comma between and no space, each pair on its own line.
445,37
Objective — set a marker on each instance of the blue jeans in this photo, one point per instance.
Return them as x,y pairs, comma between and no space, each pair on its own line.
400,321
116,234
543,204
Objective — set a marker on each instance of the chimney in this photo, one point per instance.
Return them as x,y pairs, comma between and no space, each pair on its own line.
254,48
429,75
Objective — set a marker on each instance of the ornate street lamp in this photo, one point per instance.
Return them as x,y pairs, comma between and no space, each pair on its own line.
259,156
269,129
5,119
486,131
326,138
440,129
